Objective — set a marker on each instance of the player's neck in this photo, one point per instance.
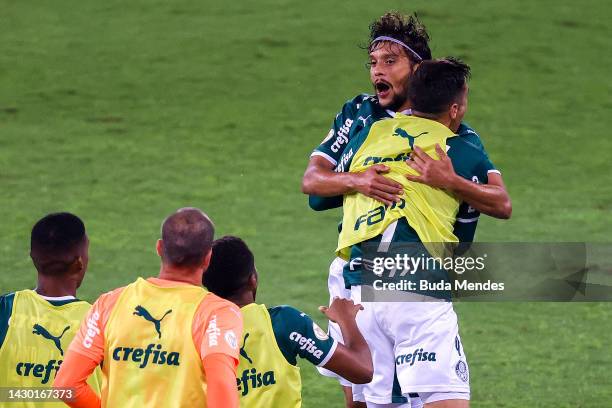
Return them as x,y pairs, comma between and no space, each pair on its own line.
404,107
191,276
443,119
53,287
242,299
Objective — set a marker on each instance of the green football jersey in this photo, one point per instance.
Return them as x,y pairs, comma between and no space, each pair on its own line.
297,335
359,113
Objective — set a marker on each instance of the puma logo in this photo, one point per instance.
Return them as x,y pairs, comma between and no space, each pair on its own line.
402,133
364,120
243,352
41,331
144,313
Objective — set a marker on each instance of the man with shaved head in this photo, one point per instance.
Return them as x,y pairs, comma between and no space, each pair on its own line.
165,341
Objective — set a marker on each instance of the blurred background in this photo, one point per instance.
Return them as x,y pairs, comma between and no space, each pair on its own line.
122,112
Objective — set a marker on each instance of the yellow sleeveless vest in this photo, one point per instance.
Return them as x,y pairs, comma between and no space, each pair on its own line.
37,339
150,359
265,377
430,211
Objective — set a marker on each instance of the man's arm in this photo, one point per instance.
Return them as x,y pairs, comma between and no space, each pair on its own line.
351,360
491,198
318,203
221,387
320,179
85,353
219,357
73,374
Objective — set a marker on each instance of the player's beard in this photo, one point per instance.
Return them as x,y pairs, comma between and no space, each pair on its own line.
399,98
397,102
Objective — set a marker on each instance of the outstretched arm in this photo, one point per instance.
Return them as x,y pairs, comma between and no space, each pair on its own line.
351,360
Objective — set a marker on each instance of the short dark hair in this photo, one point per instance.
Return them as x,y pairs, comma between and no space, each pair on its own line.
55,241
407,29
186,237
231,265
436,84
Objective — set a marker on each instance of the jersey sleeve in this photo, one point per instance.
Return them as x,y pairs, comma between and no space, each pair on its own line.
332,147
217,328
324,203
471,162
6,310
467,133
466,223
298,335
484,168
89,339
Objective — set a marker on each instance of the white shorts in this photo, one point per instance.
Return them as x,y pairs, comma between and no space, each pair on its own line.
417,341
337,289
335,284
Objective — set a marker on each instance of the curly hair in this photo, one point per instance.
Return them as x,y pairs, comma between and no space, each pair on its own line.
407,29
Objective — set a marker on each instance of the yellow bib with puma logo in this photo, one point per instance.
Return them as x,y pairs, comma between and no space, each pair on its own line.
37,339
265,378
430,211
150,359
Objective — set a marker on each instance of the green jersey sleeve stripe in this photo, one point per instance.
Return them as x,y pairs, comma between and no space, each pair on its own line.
6,310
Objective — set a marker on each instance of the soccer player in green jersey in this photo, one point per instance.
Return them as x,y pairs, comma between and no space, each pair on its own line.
274,337
419,341
397,45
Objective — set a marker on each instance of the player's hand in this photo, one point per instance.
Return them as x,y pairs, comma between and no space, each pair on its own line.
373,184
341,310
434,173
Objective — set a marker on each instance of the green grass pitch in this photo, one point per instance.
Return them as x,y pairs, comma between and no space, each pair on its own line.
124,111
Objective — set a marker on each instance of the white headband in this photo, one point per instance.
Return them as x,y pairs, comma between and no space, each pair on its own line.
385,38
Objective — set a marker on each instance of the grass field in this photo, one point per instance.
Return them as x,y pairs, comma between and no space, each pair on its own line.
124,111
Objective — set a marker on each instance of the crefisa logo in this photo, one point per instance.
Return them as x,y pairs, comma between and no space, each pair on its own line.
252,376
252,379
418,355
42,371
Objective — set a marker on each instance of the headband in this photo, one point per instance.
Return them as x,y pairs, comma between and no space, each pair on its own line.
393,40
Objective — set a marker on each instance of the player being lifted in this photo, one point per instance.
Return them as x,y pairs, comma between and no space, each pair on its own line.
166,341
397,45
275,337
36,326
399,333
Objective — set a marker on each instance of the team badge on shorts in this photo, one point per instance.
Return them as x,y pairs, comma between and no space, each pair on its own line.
462,371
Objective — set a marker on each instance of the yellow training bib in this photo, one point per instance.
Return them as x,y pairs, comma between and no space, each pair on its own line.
430,211
265,378
150,359
38,336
